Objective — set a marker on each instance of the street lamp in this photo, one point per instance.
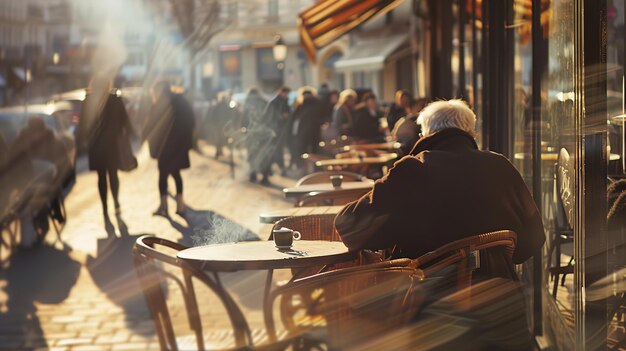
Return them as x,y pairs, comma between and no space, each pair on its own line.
280,49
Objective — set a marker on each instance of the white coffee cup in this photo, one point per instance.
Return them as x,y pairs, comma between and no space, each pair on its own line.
284,237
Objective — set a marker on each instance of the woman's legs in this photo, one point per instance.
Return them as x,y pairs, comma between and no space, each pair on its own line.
163,183
180,204
162,210
179,182
114,182
102,189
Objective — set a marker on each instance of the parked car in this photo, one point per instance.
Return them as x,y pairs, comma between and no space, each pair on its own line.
14,119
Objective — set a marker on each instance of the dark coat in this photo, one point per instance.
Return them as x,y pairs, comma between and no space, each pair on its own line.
310,117
394,114
276,115
366,125
102,129
170,132
445,190
342,122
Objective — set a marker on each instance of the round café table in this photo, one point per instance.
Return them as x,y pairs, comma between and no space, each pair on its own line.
258,255
261,255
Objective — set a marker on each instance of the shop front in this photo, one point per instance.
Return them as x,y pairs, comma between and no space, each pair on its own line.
546,78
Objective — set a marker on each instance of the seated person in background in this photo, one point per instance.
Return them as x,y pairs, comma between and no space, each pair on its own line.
407,131
399,108
366,125
444,190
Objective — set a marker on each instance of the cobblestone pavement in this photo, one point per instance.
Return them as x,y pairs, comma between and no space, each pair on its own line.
82,294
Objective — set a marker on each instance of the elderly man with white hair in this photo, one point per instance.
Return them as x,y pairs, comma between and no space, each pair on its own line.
446,189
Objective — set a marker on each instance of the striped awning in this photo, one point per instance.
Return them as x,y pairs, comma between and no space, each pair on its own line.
327,20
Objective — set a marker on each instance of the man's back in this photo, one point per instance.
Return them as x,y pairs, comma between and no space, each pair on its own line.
444,191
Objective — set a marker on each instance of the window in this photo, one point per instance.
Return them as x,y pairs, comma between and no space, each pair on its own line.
272,10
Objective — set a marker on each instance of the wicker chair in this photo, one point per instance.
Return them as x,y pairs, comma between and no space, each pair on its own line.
153,278
311,227
469,254
332,198
337,308
324,177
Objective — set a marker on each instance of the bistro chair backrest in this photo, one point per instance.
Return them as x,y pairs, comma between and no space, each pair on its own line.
324,177
311,227
490,251
153,277
350,304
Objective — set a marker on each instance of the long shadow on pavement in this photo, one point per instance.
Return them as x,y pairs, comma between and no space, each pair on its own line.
42,275
206,227
112,270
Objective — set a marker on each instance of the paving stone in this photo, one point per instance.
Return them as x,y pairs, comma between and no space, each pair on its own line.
95,302
74,341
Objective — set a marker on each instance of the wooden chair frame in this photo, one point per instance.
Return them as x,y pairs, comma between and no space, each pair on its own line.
349,279
151,277
465,252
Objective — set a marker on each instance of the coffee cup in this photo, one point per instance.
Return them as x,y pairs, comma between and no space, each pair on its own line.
284,237
336,180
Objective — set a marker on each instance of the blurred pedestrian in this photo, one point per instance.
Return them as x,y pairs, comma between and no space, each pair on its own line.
256,131
169,132
342,121
307,121
223,114
399,108
105,130
276,116
366,120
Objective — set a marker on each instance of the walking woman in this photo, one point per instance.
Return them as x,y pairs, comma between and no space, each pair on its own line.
105,131
169,132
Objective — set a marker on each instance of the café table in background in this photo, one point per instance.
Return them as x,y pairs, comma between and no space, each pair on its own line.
274,216
387,146
378,160
302,190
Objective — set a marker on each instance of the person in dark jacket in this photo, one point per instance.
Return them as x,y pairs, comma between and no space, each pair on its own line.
256,131
104,128
276,117
407,131
169,132
399,108
366,124
342,121
444,190
307,121
222,114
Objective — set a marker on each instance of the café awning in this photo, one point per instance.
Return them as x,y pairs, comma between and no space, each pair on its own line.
328,20
370,54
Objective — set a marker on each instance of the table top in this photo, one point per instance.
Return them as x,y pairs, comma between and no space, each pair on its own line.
379,159
553,156
389,145
302,190
274,216
259,255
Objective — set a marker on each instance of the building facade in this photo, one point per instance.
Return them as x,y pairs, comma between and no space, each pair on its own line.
241,56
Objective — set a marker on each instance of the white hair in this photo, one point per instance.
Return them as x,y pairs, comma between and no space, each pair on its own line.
441,115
